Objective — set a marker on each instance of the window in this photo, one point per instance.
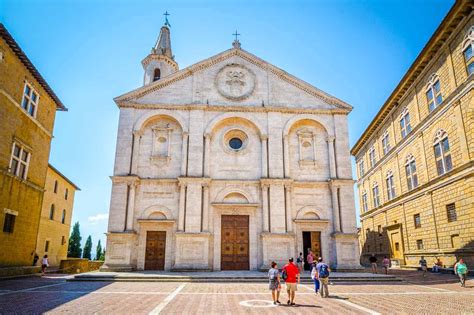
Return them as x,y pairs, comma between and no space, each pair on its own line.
364,202
66,192
63,240
410,170
51,212
236,143
9,223
390,186
405,126
361,168
451,212
19,161
379,229
46,246
30,100
55,186
441,151
372,158
156,74
455,241
397,246
433,93
467,51
376,197
417,220
63,217
386,143
419,244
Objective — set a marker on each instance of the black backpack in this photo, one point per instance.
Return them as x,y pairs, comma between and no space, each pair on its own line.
324,271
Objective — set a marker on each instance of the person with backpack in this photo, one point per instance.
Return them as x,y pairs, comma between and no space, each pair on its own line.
291,275
315,279
300,262
322,273
274,285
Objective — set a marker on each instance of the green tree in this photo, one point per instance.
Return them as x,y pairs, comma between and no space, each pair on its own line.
75,249
102,257
88,249
98,251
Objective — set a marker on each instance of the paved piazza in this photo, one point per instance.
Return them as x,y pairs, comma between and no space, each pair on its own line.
437,294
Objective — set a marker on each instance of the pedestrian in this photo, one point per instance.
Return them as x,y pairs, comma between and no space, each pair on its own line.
315,279
386,264
322,272
373,263
437,265
291,275
44,263
310,258
460,269
300,262
274,283
423,265
35,259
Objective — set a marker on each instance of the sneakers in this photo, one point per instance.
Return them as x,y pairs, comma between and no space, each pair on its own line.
278,302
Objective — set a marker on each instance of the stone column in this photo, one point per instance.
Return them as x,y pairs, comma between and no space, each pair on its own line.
265,207
289,202
332,157
131,206
335,208
182,198
137,135
184,154
205,209
207,153
286,151
264,139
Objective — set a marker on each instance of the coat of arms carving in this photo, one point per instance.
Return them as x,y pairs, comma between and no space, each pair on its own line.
235,82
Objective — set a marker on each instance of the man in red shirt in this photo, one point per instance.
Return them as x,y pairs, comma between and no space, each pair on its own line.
292,277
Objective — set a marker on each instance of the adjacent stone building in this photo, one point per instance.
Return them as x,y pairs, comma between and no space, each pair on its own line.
229,164
56,215
27,111
415,160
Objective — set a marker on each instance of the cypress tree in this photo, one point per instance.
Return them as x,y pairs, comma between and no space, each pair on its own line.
74,249
98,251
88,249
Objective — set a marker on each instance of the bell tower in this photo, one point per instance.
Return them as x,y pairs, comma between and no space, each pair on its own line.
160,62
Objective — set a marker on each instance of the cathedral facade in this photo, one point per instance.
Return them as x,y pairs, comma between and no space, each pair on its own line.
229,164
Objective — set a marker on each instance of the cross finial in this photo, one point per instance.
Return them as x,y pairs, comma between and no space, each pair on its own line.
236,34
167,23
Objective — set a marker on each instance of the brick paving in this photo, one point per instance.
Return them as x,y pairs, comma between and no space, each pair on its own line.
435,294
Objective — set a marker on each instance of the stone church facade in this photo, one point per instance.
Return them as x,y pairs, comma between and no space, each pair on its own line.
229,164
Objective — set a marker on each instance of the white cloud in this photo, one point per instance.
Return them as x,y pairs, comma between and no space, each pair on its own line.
97,218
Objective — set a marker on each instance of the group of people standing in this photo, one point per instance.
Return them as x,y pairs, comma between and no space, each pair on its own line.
291,275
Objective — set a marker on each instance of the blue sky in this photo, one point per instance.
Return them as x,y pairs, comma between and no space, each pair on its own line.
90,52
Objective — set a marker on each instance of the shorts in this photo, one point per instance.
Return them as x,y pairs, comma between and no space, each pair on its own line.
273,285
423,268
291,286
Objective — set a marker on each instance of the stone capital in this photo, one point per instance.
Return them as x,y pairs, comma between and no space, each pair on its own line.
330,139
264,137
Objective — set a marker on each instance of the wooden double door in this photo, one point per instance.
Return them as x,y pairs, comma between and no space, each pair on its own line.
155,250
311,241
235,242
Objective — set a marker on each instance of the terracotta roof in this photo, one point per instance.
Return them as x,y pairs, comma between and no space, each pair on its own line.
458,11
29,65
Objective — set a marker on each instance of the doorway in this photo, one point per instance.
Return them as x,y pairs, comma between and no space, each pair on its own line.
311,241
235,242
155,250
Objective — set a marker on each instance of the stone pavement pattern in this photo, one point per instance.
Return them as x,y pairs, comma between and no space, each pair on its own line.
436,294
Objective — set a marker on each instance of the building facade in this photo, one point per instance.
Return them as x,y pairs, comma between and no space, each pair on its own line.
27,111
229,163
56,215
415,160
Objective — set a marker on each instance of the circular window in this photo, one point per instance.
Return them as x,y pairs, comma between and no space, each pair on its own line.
235,143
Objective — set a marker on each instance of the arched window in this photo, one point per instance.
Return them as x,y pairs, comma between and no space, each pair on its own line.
410,171
390,185
63,217
156,74
468,44
386,142
66,193
365,206
51,212
433,93
376,195
442,152
55,186
372,158
405,126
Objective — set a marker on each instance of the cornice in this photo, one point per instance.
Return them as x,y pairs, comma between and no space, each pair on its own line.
23,181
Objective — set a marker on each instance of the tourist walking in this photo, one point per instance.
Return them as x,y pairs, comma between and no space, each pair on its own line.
44,263
423,265
291,275
310,258
386,264
460,269
373,263
35,259
274,283
300,262
315,278
322,273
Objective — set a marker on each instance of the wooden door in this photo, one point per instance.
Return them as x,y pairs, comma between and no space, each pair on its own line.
316,244
235,242
396,244
155,250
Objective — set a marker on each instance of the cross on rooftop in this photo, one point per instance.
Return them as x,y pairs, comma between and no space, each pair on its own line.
166,14
236,34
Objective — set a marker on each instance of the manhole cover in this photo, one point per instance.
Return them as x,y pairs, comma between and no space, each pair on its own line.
257,303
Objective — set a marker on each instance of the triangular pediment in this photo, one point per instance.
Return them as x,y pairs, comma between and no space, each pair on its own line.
234,77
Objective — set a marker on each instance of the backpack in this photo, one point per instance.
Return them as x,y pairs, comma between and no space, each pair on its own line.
324,271
284,274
